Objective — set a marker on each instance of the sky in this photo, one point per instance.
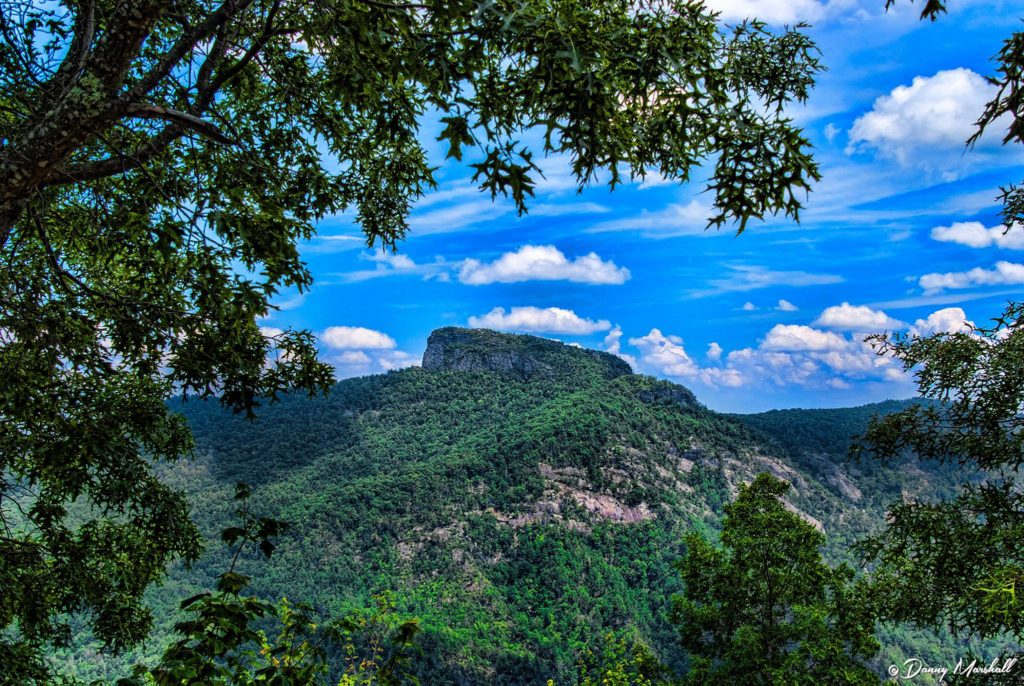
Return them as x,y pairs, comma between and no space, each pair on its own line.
902,234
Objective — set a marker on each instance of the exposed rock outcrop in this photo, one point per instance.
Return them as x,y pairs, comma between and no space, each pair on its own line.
528,357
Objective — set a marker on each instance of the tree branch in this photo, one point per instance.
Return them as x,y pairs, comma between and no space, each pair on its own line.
182,119
78,51
113,166
187,43
257,45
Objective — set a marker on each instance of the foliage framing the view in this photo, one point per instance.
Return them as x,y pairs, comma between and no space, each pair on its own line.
159,162
957,562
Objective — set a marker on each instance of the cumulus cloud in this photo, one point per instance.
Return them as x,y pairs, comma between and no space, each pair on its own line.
666,354
535,319
805,356
786,306
793,355
975,235
1004,274
358,351
947,320
356,338
542,263
748,306
787,356
796,337
856,318
613,344
933,114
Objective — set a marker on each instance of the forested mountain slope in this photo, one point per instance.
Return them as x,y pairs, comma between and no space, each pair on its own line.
522,497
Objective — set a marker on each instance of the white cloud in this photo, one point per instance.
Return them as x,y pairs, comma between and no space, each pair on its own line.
397,359
356,338
788,355
535,319
363,351
271,331
613,344
457,217
560,210
831,131
796,337
333,244
665,354
856,318
360,363
786,306
674,220
388,263
748,306
749,278
353,357
542,263
805,356
975,235
770,11
393,260
1004,274
947,320
289,303
933,115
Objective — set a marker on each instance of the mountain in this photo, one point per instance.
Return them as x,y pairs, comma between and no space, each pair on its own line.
522,497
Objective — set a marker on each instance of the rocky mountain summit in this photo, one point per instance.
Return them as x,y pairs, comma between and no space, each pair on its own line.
528,357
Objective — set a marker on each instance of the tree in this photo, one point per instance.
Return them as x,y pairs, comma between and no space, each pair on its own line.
222,644
765,608
621,661
961,562
160,160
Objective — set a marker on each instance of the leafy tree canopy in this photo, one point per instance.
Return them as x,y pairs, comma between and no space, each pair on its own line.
764,608
957,562
160,160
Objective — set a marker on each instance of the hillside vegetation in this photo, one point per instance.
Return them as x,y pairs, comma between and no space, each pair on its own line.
522,498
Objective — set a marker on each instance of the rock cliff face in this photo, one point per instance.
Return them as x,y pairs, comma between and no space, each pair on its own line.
528,357
665,392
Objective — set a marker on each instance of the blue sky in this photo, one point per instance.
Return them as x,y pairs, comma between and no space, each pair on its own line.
899,235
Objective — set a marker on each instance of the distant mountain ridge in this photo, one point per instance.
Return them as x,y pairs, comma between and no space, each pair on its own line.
521,496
